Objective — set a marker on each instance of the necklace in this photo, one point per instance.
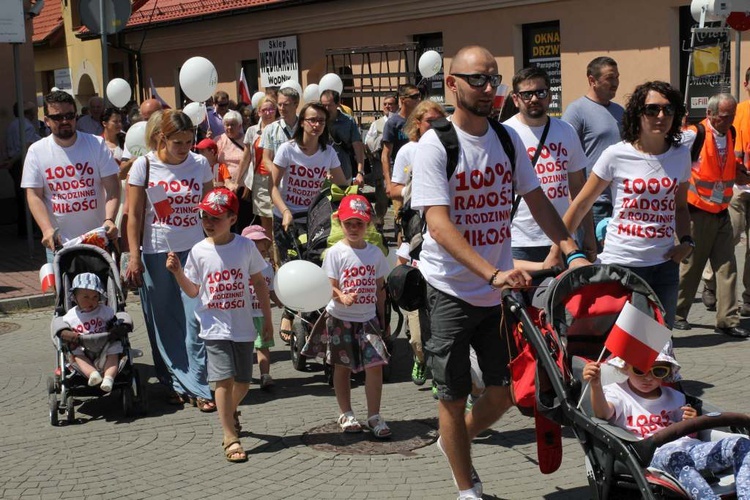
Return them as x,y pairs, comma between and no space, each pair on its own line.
648,158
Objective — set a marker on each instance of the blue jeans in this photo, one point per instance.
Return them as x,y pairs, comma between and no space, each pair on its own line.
664,279
179,355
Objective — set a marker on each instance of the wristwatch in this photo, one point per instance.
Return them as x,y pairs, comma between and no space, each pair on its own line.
689,240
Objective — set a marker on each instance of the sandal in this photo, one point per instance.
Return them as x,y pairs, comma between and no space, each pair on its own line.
205,405
348,423
230,454
380,430
286,336
237,424
176,399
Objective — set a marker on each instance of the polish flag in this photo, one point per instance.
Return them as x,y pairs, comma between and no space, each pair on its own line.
158,198
637,338
244,89
155,94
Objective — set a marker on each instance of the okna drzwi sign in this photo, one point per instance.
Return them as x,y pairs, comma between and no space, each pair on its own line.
279,61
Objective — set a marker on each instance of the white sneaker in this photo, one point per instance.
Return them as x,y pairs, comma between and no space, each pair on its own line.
266,381
474,476
470,497
107,384
95,379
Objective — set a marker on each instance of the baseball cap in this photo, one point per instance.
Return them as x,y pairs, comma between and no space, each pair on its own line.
255,233
207,144
354,206
219,201
87,281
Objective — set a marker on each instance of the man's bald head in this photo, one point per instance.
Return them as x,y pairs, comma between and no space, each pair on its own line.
149,107
469,57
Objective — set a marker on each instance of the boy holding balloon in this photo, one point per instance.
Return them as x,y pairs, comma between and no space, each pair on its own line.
217,269
356,317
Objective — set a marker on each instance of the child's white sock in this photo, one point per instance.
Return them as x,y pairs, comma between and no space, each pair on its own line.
95,379
107,384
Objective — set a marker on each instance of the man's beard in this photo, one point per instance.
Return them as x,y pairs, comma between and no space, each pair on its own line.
475,108
65,133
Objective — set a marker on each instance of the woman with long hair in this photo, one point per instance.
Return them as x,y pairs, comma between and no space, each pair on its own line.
300,169
648,172
179,355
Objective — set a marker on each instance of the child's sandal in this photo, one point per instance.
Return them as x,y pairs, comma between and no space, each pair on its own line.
378,427
349,423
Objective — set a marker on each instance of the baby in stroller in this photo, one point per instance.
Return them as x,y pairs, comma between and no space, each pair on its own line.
90,316
643,405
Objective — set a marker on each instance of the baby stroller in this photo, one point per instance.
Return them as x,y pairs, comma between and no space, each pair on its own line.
311,247
67,383
580,308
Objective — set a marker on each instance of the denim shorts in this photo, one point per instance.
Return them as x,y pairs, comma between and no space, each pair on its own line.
455,325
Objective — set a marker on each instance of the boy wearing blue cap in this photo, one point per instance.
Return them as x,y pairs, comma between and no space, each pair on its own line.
89,316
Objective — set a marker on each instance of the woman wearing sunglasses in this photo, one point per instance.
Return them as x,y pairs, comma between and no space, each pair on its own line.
648,173
643,406
179,355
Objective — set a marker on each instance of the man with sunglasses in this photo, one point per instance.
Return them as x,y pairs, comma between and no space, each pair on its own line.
598,121
216,114
466,257
556,155
715,171
70,178
393,132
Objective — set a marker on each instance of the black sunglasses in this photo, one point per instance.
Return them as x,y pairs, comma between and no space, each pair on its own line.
653,110
480,80
62,116
526,95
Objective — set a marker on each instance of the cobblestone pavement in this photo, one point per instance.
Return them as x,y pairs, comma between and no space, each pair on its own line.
175,452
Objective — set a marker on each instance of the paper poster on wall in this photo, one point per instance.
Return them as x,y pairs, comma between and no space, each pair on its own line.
278,61
541,48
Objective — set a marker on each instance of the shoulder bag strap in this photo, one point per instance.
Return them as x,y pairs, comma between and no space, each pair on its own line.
517,199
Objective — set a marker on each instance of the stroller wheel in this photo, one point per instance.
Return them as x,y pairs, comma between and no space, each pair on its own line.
70,410
54,408
296,345
51,386
141,398
128,406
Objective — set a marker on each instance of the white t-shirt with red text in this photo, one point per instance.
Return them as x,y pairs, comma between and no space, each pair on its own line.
86,323
72,181
561,154
479,196
223,274
184,186
356,271
642,229
268,275
303,175
643,417
402,163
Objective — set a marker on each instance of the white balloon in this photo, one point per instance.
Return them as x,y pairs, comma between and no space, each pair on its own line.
331,81
255,101
135,140
118,92
292,84
196,111
311,93
302,286
430,63
198,78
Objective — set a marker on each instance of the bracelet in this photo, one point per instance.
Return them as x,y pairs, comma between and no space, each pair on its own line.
576,254
689,240
286,210
109,219
492,279
359,172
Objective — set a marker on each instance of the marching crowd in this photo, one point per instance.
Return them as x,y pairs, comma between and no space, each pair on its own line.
632,186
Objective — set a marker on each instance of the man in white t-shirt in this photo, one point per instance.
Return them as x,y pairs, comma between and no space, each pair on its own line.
466,256
557,158
70,177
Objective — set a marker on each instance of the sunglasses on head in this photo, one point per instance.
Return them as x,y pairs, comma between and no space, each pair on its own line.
62,116
480,80
526,95
653,110
658,371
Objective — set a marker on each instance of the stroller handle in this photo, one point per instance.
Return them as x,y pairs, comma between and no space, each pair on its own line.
646,448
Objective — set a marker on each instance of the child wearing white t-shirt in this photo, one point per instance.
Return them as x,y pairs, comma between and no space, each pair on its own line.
89,316
643,406
356,317
217,269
